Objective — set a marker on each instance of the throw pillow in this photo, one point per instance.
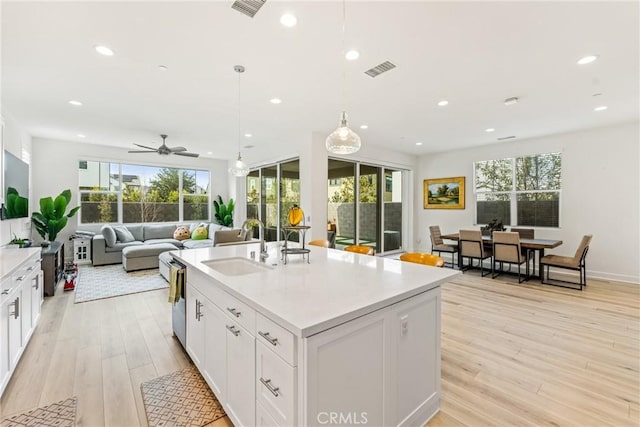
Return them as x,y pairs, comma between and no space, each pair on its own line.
123,234
181,233
109,235
199,233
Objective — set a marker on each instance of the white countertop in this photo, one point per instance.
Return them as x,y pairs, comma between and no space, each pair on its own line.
334,288
10,259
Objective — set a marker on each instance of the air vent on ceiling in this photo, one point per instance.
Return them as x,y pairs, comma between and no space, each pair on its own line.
505,137
380,68
248,7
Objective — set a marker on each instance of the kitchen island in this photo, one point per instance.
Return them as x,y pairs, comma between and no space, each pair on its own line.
345,339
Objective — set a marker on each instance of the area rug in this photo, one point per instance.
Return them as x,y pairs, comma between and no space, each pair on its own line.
59,414
180,399
111,281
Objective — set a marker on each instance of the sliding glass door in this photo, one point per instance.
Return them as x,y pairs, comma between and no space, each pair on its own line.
376,219
271,191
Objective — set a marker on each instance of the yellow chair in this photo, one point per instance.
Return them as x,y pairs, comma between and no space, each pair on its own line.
364,250
320,242
420,258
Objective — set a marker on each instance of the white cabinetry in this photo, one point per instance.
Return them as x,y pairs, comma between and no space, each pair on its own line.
222,348
381,369
20,303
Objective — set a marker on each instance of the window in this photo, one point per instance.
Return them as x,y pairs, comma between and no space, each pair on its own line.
113,192
519,191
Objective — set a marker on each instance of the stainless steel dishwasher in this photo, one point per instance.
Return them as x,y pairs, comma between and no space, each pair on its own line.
179,311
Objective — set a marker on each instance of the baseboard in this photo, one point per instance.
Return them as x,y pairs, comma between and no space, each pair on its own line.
600,275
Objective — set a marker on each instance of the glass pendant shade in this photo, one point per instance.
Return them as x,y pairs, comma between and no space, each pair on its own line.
343,140
239,168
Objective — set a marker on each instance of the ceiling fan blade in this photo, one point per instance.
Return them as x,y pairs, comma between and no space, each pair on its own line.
144,146
187,154
177,149
142,151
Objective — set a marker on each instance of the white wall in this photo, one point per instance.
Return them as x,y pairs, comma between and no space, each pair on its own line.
600,194
17,142
55,168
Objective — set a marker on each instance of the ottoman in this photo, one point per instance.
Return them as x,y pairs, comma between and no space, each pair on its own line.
141,257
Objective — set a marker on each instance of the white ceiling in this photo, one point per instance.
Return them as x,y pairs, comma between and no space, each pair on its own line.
474,54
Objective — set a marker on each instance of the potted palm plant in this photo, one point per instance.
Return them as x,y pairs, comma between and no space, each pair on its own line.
52,218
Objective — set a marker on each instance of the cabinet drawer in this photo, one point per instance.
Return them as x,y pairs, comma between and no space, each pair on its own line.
276,338
263,419
275,385
238,311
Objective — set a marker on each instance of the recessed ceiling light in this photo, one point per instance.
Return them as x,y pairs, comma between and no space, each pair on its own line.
209,152
489,130
75,103
163,67
103,50
600,108
248,147
587,59
248,135
275,101
418,143
443,103
364,126
81,135
288,20
511,101
352,54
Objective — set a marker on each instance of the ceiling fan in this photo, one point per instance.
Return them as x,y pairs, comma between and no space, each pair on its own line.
163,149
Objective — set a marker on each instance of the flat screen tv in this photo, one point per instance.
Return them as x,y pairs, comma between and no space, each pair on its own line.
16,179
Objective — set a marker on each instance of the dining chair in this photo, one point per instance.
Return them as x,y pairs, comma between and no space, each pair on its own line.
507,249
320,242
425,259
575,263
438,245
360,249
526,233
472,247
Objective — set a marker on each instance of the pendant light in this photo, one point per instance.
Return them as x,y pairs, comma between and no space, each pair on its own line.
343,140
239,168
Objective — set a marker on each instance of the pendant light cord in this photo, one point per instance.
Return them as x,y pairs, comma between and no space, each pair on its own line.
344,47
239,115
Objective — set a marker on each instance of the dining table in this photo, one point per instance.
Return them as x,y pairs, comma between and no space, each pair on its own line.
537,245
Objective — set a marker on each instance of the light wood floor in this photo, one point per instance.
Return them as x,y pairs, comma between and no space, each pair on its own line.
511,355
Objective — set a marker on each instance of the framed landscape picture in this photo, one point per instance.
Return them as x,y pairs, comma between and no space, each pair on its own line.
444,193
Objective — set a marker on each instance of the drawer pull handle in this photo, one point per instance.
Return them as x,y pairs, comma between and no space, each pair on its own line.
199,312
266,336
234,311
16,308
6,291
233,330
272,389
31,268
20,279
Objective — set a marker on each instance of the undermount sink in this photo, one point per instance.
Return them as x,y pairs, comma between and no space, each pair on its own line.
235,266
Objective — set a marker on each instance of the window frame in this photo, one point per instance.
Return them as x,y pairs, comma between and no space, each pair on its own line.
120,186
513,193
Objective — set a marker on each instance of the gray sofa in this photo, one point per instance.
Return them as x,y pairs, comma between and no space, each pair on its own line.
107,250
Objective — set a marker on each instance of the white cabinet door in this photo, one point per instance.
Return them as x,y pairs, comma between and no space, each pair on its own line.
215,366
240,393
36,297
196,314
25,310
417,343
15,327
4,344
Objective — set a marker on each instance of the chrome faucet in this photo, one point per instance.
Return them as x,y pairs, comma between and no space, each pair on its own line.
244,229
